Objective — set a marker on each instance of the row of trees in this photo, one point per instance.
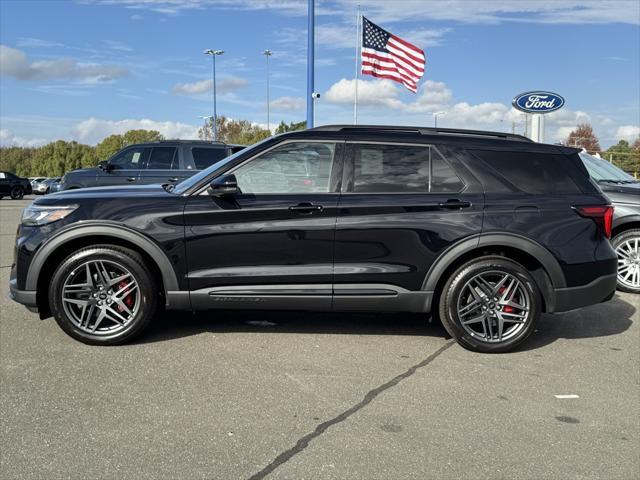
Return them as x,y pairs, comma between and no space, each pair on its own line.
56,158
623,154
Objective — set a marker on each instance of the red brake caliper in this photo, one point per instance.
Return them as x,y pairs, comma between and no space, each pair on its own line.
506,308
128,300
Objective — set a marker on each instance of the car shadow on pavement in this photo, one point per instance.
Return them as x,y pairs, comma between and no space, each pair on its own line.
601,320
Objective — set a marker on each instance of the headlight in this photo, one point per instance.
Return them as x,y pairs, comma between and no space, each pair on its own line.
42,215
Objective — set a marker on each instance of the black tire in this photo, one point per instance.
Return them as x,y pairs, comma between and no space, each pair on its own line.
456,288
114,256
17,193
617,242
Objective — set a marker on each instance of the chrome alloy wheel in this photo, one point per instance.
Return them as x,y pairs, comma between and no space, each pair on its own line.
629,263
100,297
493,306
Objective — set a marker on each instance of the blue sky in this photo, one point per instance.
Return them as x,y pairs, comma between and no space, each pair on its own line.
88,68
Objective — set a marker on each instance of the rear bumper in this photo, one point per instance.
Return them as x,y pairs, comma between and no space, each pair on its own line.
598,291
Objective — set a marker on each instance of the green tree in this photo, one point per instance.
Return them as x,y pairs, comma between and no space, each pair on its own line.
241,132
114,143
292,126
624,156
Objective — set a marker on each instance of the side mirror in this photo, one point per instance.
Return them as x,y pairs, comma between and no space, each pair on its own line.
105,166
223,186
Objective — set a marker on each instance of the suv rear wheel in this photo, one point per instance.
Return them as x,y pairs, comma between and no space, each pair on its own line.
490,304
103,295
627,247
17,193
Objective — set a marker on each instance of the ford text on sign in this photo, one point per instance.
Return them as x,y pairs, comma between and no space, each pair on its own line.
538,102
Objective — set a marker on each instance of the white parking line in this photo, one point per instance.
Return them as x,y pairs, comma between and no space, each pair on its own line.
567,396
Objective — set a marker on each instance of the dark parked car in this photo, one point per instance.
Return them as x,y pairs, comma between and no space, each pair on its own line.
624,192
168,161
13,186
485,230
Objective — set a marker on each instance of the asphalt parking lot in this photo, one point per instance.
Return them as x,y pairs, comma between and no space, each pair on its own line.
291,395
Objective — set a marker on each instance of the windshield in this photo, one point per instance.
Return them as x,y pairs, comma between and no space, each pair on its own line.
601,170
202,174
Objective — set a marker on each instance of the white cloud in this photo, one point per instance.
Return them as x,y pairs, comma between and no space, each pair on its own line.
8,139
288,103
464,11
136,17
29,42
379,101
118,46
94,130
499,11
224,85
628,132
14,63
370,92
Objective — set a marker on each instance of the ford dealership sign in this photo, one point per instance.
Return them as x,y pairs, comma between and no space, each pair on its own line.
538,102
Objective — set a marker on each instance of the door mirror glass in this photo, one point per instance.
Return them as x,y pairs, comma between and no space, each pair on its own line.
223,186
104,165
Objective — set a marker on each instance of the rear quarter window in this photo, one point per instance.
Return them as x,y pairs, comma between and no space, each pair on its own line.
204,157
537,173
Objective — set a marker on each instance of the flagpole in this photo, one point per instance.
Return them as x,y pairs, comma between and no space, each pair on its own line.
310,62
355,98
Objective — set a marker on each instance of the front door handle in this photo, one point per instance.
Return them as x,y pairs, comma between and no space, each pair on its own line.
173,179
131,179
305,208
454,204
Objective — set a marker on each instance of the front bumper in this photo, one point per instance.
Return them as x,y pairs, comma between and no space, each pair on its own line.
600,290
25,297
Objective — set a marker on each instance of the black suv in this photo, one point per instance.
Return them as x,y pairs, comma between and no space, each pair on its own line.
13,186
169,161
485,230
624,192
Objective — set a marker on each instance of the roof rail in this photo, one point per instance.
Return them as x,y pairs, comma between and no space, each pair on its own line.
423,131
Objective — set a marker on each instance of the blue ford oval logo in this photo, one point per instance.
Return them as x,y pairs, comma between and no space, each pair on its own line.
538,102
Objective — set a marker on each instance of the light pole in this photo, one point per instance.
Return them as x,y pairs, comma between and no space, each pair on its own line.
267,54
214,54
435,118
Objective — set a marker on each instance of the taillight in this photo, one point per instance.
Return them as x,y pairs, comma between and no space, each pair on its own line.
601,214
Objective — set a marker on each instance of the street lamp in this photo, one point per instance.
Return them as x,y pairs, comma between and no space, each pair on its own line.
267,54
214,54
435,118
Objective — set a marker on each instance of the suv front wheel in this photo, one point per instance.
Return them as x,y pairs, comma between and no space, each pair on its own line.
490,304
103,295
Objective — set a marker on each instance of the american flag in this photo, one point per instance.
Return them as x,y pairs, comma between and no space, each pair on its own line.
386,56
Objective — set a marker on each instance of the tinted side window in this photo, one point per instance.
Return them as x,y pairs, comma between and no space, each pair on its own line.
290,168
403,169
162,158
532,172
130,159
205,157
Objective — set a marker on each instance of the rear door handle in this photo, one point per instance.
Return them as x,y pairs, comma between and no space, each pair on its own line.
131,179
454,204
173,179
306,208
